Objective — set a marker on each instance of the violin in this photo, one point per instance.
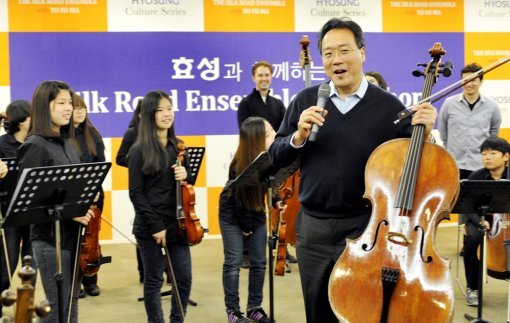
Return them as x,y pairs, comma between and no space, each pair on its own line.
281,250
498,245
91,258
189,223
392,272
24,300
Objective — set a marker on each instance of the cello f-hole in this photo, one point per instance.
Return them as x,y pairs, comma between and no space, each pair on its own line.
365,246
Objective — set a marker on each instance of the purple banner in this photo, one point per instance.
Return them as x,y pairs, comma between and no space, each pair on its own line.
206,74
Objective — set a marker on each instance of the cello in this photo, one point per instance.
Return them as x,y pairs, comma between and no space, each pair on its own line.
289,189
392,272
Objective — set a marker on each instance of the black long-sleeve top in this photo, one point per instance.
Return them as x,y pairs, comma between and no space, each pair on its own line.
8,148
39,151
480,174
127,141
231,211
153,196
332,168
252,105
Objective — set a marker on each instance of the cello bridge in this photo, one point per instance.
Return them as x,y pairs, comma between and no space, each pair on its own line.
398,238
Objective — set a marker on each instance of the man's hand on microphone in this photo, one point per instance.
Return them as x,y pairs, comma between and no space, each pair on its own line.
307,119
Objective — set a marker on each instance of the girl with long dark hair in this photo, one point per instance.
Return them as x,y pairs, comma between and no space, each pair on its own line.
153,173
242,214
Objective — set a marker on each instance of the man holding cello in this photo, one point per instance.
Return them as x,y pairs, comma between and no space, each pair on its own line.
333,165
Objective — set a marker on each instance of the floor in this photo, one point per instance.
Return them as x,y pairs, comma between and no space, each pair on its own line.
120,288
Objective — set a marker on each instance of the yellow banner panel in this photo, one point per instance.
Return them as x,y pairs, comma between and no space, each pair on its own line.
487,48
423,16
106,230
213,197
58,15
197,141
249,15
505,133
4,59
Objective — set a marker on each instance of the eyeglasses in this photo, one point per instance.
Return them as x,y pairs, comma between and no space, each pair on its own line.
81,107
332,53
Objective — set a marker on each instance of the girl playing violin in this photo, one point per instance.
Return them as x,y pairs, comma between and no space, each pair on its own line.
242,215
152,189
49,144
90,144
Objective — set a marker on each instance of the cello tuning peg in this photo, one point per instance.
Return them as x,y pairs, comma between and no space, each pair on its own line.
421,64
446,69
418,73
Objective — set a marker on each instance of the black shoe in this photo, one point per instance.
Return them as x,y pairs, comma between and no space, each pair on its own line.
258,315
290,258
92,290
82,294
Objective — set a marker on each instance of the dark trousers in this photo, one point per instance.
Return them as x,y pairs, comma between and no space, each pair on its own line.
154,265
319,244
472,240
45,256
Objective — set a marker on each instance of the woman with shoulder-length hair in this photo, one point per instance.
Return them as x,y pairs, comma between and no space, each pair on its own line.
49,144
91,147
153,173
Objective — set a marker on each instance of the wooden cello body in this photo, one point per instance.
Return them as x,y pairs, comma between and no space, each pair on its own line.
393,272
422,286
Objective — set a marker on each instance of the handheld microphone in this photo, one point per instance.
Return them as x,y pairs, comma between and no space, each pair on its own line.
322,98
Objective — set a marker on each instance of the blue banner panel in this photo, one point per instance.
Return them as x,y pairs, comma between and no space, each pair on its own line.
206,74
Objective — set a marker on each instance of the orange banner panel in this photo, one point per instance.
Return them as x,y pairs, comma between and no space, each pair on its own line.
249,15
423,16
505,133
106,230
213,198
4,59
120,176
487,48
58,15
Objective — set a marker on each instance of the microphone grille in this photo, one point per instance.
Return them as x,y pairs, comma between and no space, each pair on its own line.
324,90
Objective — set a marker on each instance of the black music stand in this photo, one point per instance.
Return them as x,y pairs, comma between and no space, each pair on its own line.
196,156
482,197
53,194
263,174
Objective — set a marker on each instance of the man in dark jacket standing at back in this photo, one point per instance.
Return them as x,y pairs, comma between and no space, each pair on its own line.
259,103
